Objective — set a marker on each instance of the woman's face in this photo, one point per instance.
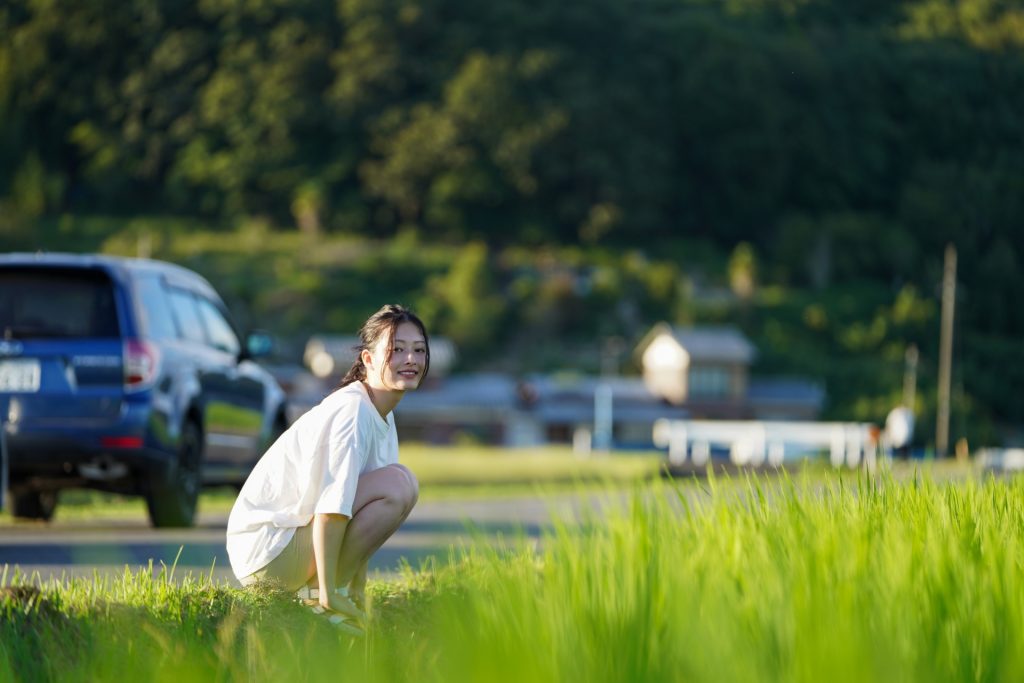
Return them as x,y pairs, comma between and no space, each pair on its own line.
408,359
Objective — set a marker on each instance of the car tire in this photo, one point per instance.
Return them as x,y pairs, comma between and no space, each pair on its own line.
38,505
174,490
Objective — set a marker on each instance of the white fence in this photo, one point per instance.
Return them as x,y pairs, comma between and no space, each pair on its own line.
757,443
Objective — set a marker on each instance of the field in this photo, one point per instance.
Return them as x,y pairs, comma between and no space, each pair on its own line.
450,471
822,576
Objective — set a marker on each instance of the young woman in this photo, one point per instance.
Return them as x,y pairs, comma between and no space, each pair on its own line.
330,491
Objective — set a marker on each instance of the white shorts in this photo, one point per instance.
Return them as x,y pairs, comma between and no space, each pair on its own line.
293,568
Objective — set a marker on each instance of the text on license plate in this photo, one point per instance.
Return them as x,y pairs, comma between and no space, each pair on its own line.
19,375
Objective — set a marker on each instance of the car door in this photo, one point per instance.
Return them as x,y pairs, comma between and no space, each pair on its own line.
231,401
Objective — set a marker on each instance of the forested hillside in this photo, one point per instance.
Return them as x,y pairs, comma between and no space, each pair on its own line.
588,166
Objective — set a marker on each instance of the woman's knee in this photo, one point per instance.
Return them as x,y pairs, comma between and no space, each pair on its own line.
409,491
395,485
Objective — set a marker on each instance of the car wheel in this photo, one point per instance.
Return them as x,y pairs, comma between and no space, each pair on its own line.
174,490
34,505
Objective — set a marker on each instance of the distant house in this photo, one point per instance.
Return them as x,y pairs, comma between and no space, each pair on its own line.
688,373
702,367
480,407
707,370
784,398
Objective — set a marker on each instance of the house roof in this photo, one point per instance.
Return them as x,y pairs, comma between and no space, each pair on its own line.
484,394
548,398
707,344
788,391
568,399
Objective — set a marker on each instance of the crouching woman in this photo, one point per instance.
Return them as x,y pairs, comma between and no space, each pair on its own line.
330,491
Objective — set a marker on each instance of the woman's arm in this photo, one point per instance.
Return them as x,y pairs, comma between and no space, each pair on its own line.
328,534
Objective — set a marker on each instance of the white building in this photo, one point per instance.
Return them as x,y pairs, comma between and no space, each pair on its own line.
706,370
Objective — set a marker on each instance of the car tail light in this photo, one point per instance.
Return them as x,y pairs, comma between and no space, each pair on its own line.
141,363
121,441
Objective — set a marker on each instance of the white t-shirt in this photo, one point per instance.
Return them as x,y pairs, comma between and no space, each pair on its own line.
312,468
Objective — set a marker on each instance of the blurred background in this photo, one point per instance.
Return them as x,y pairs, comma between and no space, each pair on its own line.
555,186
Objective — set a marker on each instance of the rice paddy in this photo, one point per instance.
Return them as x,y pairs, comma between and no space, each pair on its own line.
837,577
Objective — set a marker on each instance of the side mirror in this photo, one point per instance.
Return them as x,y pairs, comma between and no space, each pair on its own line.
258,345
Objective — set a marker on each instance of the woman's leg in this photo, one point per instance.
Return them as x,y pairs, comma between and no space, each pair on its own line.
384,498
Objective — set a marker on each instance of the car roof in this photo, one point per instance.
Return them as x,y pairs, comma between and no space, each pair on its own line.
106,262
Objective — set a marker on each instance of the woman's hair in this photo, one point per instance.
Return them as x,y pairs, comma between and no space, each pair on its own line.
382,325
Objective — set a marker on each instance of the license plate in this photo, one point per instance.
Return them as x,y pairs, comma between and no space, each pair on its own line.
19,375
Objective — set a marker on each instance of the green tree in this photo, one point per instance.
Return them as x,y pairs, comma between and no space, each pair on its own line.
743,271
457,163
464,303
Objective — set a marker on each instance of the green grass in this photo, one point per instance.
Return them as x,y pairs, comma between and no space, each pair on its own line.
479,471
832,577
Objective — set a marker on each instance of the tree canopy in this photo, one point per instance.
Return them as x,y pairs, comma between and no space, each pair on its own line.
841,141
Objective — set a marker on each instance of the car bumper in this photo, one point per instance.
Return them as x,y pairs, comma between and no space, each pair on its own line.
53,453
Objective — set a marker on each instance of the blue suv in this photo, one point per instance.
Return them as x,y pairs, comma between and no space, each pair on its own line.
126,375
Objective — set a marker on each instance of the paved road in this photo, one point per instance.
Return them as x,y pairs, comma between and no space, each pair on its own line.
80,548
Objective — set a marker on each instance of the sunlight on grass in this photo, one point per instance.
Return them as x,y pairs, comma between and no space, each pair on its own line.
439,467
834,576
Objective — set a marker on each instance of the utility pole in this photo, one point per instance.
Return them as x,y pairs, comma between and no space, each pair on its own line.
945,352
604,419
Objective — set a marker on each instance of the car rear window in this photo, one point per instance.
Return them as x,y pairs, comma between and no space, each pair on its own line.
53,302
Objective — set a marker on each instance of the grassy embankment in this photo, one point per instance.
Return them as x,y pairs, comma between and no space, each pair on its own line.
829,577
